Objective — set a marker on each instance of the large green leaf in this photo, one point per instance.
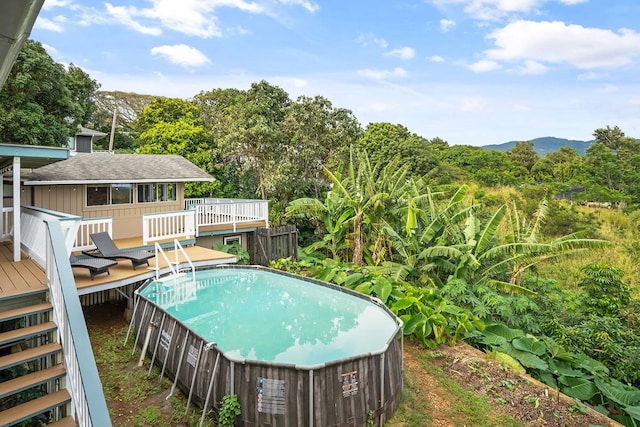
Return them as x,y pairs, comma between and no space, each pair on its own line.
580,388
618,392
549,379
352,279
413,322
527,359
404,303
563,368
504,331
530,344
493,339
633,411
557,351
590,365
383,289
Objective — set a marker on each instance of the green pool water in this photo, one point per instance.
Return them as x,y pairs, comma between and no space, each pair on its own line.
266,316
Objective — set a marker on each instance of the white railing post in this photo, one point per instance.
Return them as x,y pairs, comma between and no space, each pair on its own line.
87,228
168,225
212,212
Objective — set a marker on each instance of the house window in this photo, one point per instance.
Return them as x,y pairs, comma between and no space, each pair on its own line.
160,192
230,240
109,194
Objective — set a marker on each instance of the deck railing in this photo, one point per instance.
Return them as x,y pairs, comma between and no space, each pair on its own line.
34,234
83,382
168,225
231,213
47,237
7,223
89,226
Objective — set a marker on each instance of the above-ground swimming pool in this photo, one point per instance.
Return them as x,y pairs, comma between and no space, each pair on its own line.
296,352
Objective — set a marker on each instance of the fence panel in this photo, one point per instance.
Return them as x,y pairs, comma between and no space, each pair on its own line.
274,243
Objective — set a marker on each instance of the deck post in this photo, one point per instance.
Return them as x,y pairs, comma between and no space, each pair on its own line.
16,210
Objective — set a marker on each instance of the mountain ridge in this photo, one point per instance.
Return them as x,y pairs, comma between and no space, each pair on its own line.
544,145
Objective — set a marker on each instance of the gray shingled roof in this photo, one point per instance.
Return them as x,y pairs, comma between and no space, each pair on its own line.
103,167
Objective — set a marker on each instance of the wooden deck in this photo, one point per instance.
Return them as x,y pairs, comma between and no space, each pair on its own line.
18,278
24,277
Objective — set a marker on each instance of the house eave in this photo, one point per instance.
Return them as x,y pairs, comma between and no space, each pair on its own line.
118,181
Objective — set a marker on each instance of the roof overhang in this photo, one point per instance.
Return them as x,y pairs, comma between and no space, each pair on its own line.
31,156
16,21
118,181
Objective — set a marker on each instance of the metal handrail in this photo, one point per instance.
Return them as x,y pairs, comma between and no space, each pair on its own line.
174,271
83,381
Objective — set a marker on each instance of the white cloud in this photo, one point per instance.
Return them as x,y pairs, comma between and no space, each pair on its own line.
447,24
405,52
182,55
436,58
492,10
56,24
310,6
52,51
125,16
533,67
590,75
484,65
50,4
557,42
382,74
191,17
368,39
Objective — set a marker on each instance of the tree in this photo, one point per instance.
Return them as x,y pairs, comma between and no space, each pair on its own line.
36,106
383,141
319,136
257,140
523,155
610,137
127,106
173,126
83,91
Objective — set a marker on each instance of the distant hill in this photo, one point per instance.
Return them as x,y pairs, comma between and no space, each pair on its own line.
544,145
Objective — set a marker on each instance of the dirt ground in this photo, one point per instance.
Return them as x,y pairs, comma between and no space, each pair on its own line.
526,400
523,398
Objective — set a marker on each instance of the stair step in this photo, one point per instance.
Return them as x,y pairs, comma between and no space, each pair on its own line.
24,356
27,410
65,422
23,333
31,380
25,311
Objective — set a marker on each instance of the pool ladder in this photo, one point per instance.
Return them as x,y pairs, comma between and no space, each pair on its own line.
174,266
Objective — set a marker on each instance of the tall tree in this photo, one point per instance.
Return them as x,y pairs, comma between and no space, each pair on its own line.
83,91
173,126
127,106
257,139
319,136
523,155
36,106
383,141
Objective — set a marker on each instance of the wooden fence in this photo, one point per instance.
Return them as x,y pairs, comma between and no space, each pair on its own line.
274,243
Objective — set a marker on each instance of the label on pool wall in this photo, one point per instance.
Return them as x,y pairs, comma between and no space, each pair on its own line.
349,383
270,396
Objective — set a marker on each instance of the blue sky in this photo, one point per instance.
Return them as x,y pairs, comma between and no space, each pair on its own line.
468,71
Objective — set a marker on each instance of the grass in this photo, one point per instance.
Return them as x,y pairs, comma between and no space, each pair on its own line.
133,397
465,405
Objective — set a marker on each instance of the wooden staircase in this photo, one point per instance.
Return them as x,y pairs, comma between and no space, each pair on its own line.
32,374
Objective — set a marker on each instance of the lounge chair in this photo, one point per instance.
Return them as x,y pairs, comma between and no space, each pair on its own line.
106,248
94,265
